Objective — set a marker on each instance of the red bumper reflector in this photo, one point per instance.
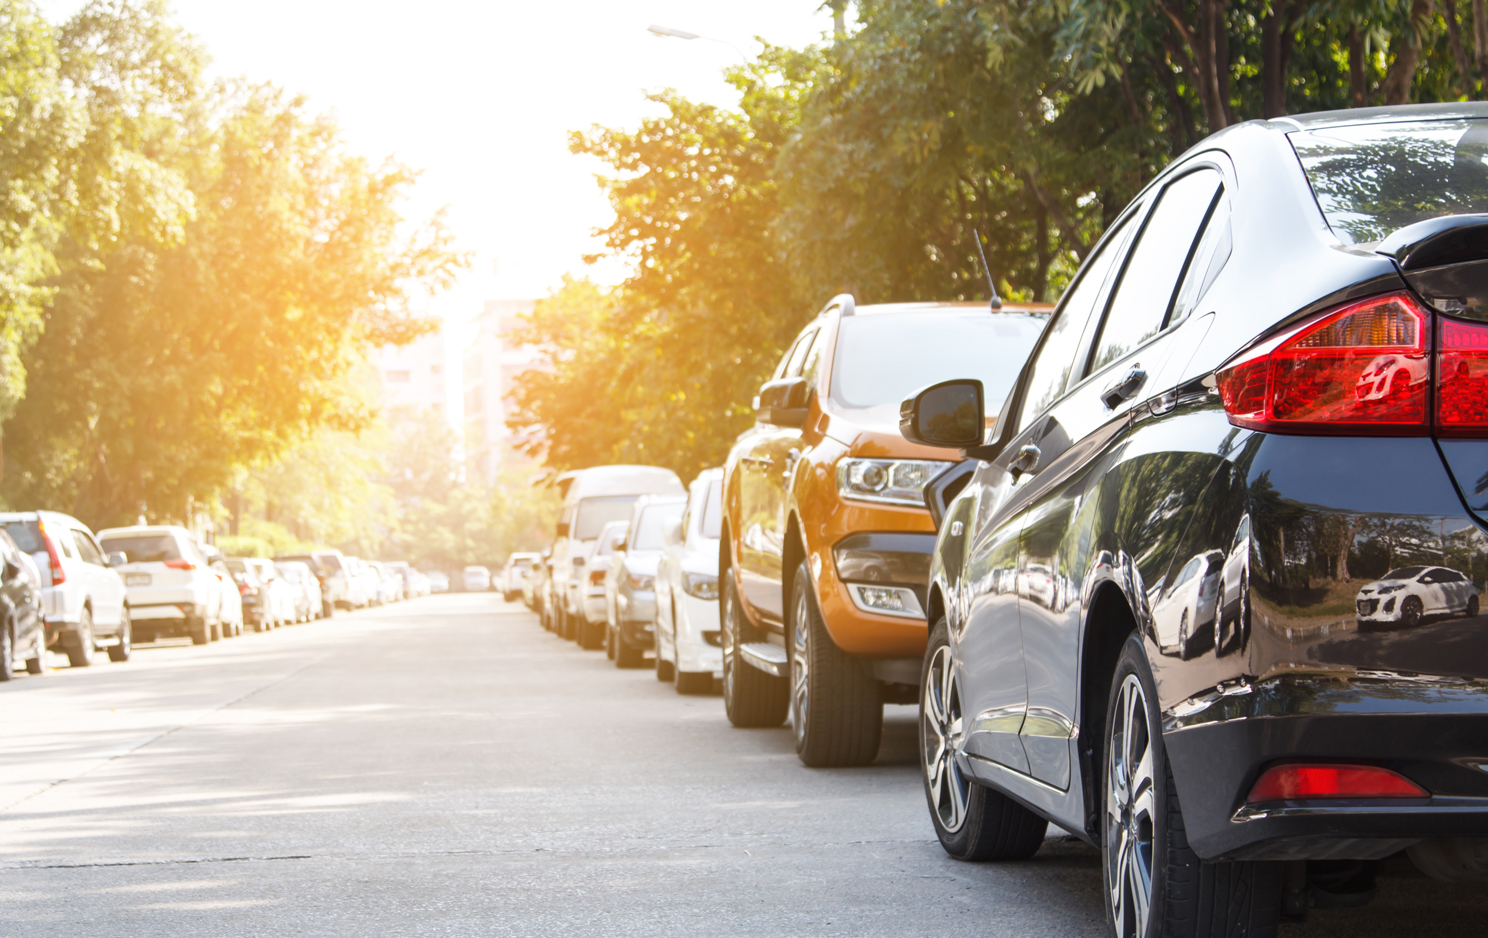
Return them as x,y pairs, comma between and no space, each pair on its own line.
1301,782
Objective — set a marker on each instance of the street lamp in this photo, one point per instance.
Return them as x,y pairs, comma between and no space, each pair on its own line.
668,32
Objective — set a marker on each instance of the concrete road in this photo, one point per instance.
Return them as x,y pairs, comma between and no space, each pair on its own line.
445,767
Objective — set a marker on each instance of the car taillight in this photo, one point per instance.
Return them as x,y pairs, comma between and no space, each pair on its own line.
1302,782
245,590
1362,369
1462,379
596,577
180,563
54,559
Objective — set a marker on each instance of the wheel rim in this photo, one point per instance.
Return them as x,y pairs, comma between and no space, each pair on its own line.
728,640
800,667
126,633
1130,811
940,737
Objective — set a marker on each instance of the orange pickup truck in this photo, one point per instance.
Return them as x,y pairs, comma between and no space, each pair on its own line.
826,546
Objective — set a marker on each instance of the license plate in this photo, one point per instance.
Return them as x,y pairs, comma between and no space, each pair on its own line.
137,579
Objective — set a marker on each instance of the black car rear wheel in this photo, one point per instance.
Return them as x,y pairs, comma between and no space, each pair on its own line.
1154,883
836,705
973,822
750,696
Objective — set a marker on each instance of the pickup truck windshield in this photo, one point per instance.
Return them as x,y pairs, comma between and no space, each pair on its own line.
1373,179
882,358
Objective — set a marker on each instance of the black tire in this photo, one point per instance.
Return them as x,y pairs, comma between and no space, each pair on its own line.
570,625
836,705
1472,606
1410,611
1189,898
591,634
327,610
626,654
36,664
750,696
665,670
609,641
7,651
1184,638
973,822
199,631
119,651
260,624
694,682
79,647
217,631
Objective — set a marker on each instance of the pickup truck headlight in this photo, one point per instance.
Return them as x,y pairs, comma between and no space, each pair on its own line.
639,582
700,585
892,481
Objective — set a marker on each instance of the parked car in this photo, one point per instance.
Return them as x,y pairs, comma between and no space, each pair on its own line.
418,583
304,587
1410,595
592,498
439,582
228,604
282,594
366,584
22,622
405,573
255,599
170,589
827,535
1183,613
518,569
1196,391
688,644
476,579
83,597
532,586
329,567
630,583
389,584
596,604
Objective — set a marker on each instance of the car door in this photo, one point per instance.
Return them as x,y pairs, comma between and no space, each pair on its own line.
767,469
989,639
1069,501
104,585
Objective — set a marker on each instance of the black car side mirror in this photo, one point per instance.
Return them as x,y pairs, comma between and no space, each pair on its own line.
785,402
949,414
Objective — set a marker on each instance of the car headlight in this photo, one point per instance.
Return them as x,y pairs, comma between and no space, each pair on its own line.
1385,590
640,582
893,481
700,585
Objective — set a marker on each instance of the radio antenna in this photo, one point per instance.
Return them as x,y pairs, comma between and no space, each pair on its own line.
996,301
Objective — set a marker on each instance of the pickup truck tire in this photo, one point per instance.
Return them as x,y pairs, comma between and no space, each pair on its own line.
79,644
836,705
750,696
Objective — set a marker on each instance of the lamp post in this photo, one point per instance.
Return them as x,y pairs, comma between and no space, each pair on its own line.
668,32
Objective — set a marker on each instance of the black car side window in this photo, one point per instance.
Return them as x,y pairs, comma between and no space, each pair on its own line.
1144,294
1056,359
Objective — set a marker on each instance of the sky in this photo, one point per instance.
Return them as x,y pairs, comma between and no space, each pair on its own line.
481,97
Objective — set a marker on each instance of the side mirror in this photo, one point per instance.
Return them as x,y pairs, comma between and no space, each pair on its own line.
671,531
948,414
563,529
617,542
784,402
117,559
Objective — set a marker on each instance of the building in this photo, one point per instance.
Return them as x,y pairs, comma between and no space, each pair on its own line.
490,368
414,379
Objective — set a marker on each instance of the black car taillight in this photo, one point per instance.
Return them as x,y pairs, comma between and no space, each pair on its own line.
1362,370
1462,379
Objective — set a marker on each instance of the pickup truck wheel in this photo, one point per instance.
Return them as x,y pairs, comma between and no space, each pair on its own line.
1154,883
973,822
119,651
836,705
80,647
750,696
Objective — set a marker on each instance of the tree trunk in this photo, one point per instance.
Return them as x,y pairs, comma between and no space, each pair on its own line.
1273,77
1182,129
1480,39
1221,33
1402,71
1346,541
1459,52
1194,50
1358,86
1041,276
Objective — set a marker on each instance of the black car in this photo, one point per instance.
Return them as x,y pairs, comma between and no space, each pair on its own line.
22,628
1266,389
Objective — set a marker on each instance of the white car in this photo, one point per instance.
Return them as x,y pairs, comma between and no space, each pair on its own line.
1408,595
304,587
170,587
597,567
477,579
228,605
282,595
83,599
688,644
518,569
1185,614
364,583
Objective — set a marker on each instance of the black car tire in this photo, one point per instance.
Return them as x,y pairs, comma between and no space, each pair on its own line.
626,654
1188,898
79,647
119,650
36,664
836,706
665,670
750,696
973,822
1410,611
694,682
1472,606
199,631
7,651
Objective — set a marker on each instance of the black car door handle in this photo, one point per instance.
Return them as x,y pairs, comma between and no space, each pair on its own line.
1124,389
1025,461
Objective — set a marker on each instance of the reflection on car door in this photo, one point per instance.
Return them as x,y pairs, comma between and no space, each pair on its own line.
104,586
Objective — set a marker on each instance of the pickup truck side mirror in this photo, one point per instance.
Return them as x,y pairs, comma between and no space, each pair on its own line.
671,531
948,414
117,559
784,402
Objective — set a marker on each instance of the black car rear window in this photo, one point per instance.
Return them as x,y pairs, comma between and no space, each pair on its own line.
143,548
26,534
1373,179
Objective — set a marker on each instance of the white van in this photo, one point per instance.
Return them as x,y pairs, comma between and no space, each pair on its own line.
592,498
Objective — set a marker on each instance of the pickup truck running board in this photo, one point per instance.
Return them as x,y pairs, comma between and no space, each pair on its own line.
770,659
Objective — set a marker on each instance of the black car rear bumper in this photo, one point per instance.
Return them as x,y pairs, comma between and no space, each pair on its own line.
1434,732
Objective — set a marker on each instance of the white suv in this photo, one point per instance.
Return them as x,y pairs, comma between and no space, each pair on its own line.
169,582
82,599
